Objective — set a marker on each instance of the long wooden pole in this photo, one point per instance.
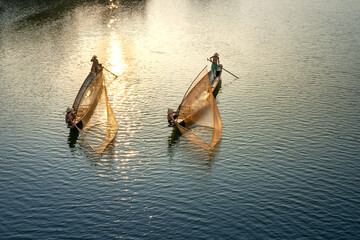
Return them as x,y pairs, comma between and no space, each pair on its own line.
223,69
110,72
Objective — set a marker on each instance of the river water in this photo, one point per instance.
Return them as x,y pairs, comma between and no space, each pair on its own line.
287,166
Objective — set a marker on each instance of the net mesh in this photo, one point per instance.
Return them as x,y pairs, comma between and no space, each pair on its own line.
99,126
200,114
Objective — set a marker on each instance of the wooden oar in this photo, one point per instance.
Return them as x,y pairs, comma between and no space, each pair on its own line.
223,69
110,72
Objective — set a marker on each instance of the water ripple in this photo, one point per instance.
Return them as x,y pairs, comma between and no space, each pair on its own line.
286,167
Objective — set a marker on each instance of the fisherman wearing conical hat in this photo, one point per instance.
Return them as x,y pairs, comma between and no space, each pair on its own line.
95,64
69,117
215,63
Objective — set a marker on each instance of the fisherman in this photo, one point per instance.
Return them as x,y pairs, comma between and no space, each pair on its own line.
172,115
95,65
69,117
215,63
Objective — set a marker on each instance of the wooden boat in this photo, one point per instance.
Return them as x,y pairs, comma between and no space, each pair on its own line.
215,86
198,117
86,100
91,113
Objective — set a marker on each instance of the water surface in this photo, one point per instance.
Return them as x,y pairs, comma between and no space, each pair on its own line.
287,166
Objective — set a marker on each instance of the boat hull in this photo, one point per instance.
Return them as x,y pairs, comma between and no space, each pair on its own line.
83,114
215,86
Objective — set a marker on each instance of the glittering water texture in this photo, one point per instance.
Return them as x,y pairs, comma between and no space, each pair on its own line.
287,166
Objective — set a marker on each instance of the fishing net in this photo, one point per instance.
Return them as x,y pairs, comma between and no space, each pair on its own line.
95,119
199,117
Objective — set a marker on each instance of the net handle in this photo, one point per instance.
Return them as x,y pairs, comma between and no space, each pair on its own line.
189,88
